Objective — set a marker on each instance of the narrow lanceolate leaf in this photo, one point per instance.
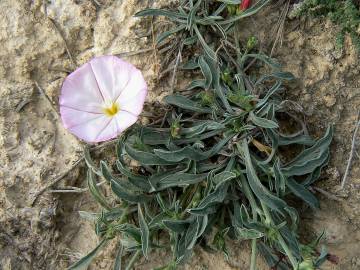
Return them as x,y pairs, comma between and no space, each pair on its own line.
178,226
311,158
145,158
191,234
280,178
257,187
200,127
137,180
94,190
262,122
301,192
167,34
247,234
186,104
269,93
83,263
89,162
210,52
180,179
223,177
205,206
145,234
160,12
191,153
206,71
122,193
118,259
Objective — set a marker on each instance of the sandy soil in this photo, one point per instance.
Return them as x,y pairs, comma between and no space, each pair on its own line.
35,148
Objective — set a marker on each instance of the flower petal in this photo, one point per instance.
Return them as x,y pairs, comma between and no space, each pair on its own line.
132,90
120,122
80,91
88,131
112,74
73,117
135,104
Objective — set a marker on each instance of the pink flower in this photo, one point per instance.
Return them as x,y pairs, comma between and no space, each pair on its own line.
102,98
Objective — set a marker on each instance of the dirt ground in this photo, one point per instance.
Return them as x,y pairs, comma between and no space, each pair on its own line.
35,148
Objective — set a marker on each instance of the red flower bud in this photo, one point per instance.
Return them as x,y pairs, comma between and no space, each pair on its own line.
245,4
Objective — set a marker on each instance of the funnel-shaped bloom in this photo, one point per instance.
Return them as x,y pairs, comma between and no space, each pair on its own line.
102,98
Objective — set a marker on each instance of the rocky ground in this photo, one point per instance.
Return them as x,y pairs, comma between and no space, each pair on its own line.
36,38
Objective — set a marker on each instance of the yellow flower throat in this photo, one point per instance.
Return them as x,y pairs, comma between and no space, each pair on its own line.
112,109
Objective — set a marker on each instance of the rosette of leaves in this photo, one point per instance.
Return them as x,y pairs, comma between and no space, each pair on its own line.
215,167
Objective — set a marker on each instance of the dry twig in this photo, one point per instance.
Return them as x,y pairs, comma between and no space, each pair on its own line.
47,98
61,176
352,151
65,43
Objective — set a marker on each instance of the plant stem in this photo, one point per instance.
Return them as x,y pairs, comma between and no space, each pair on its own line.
287,251
253,254
133,260
281,240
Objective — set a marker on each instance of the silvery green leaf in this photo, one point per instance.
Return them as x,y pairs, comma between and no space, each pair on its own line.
121,192
160,12
247,234
118,258
145,158
280,178
232,2
257,187
192,15
89,162
88,215
145,233
262,122
178,226
151,136
223,177
83,263
196,84
299,139
212,199
191,153
169,33
246,13
179,179
311,158
209,52
94,190
269,93
301,192
191,234
186,104
285,76
206,71
137,180
201,127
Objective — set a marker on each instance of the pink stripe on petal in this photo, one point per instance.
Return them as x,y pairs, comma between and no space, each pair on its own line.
88,131
119,123
80,90
135,85
73,118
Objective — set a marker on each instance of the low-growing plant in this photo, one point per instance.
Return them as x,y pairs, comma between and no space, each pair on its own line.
343,13
221,163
